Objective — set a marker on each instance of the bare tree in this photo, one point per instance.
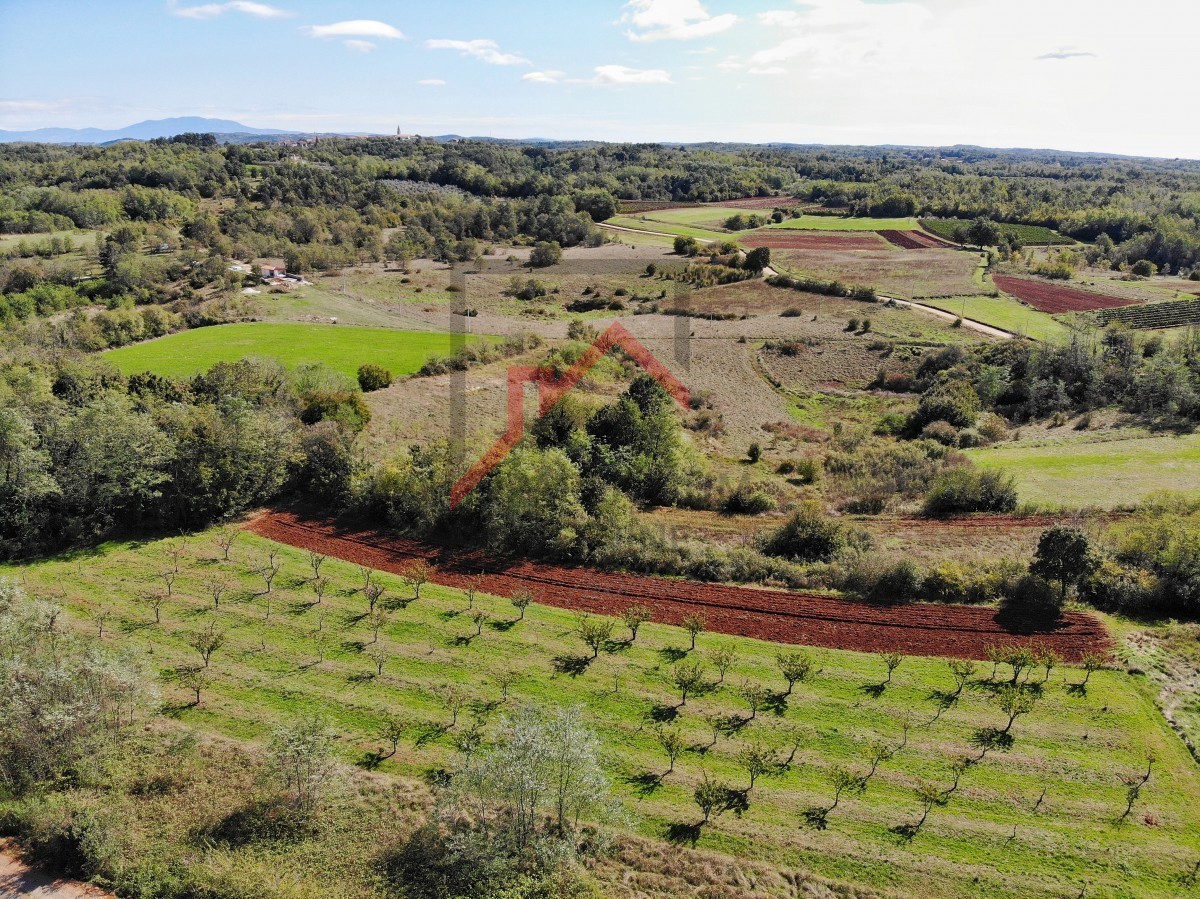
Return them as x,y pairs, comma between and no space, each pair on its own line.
319,586
472,587
694,625
225,539
1092,662
722,659
207,642
453,700
505,679
315,561
891,661
392,731
373,592
963,670
672,744
375,620
379,655
175,551
196,680
1134,785
269,570
521,600
301,760
594,632
217,588
168,578
101,620
634,617
795,668
754,695
687,677
368,575
416,575
155,601
480,618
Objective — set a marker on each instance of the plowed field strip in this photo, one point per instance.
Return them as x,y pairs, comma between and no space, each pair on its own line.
1055,299
781,617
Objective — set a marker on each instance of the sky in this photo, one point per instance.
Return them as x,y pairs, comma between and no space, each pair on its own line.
1093,75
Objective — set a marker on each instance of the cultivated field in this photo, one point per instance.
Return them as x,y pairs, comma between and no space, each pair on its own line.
341,348
1047,296
1035,819
1106,473
908,274
846,223
777,239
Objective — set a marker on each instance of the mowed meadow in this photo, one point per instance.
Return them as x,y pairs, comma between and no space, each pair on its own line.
1040,817
342,348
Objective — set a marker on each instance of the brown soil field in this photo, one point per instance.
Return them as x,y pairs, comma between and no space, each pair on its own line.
785,239
837,362
905,240
907,274
1055,298
761,203
778,616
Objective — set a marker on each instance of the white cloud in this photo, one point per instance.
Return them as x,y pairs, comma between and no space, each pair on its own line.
355,28
1066,54
626,75
432,82
486,50
550,77
212,10
359,46
673,20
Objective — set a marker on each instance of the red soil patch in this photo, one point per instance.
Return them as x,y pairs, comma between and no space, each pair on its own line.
1054,298
781,617
760,203
786,239
907,240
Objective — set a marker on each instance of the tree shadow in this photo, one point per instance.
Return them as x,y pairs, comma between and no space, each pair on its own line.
645,784
816,816
662,713
991,739
355,646
776,703
1079,690
672,654
449,614
736,801
572,665
399,604
299,607
125,626
261,821
873,691
484,707
683,834
504,626
371,759
617,646
429,733
463,640
906,832
364,677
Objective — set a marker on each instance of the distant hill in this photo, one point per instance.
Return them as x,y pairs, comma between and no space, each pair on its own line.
147,130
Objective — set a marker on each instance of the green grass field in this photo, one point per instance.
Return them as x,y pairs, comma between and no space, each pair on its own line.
678,229
841,223
1104,474
287,656
341,348
1004,312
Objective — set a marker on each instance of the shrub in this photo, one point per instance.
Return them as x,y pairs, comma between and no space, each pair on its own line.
748,499
963,491
809,536
545,253
1144,268
941,431
884,582
373,377
754,453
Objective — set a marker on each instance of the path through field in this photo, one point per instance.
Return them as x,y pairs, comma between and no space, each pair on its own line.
778,616
18,879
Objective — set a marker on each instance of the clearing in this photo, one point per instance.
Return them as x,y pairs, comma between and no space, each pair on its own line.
1102,472
1004,313
342,348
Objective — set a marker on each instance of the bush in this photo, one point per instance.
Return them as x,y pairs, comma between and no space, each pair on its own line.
881,582
941,431
545,253
963,491
748,499
373,377
809,536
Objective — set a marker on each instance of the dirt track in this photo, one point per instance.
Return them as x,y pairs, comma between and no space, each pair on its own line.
782,617
18,879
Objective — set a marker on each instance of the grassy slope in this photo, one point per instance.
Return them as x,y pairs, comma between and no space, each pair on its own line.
1004,312
986,842
839,223
1031,235
341,348
1104,474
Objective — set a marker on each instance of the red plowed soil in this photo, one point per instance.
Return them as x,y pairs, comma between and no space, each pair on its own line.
907,240
786,239
919,629
1054,298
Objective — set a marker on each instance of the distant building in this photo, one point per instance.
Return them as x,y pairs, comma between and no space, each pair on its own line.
271,272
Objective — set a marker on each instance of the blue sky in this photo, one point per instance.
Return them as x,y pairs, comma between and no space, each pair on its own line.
1104,75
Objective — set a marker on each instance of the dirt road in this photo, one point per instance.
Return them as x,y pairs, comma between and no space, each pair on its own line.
776,615
19,880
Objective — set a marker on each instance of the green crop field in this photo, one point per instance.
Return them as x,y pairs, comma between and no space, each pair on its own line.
341,348
1031,235
842,223
1004,312
1105,474
288,655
